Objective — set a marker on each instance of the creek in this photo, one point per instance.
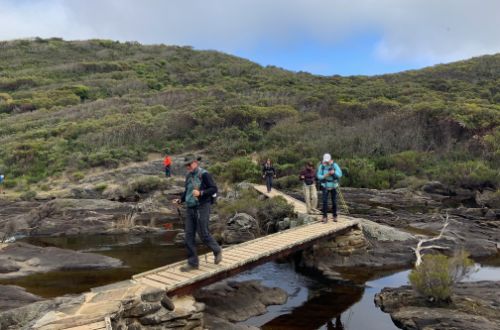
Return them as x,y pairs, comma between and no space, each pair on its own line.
313,303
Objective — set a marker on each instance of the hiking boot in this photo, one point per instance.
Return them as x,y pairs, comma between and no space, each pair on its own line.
335,219
325,219
188,268
218,257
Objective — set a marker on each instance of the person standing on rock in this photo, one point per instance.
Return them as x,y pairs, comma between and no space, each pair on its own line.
167,162
199,194
308,177
268,173
328,175
2,177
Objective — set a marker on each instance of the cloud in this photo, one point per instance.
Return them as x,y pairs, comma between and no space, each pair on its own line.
409,30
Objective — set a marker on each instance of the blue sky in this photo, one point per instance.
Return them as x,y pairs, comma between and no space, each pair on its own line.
324,37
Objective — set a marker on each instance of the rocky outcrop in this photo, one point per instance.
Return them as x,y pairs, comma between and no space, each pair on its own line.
240,228
472,214
127,305
14,297
20,259
237,301
475,306
369,246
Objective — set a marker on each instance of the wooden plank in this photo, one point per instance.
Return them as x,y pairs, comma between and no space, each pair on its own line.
164,281
181,276
152,283
90,326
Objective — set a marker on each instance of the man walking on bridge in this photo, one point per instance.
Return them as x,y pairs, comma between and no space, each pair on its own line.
199,194
328,175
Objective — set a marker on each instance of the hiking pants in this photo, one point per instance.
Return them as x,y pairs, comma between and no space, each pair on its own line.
269,182
311,197
325,201
167,171
197,219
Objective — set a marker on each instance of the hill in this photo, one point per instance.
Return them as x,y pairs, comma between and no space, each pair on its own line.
69,106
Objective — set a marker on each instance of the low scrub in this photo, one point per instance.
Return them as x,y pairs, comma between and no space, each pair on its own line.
147,183
437,275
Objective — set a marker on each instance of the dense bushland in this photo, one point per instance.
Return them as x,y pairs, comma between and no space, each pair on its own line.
69,106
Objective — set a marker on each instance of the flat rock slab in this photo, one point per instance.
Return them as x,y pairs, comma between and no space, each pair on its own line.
475,306
24,259
15,296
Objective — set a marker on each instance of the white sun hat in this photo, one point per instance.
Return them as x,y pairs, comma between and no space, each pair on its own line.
327,158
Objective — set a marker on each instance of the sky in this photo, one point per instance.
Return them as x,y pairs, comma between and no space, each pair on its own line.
327,37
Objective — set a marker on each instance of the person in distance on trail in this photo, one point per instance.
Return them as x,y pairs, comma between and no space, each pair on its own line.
167,162
2,177
328,175
199,194
308,177
268,173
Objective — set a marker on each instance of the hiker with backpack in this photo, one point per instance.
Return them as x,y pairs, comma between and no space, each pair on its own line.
268,173
199,194
167,162
328,175
308,177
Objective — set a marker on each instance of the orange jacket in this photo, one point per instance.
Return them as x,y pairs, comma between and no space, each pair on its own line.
167,161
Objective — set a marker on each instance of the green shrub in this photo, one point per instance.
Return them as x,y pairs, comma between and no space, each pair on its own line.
28,195
77,176
147,183
100,187
237,170
436,276
287,182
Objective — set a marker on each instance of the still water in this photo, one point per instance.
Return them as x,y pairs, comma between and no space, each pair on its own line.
313,303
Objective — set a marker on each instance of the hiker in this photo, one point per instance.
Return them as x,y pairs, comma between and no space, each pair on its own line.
308,176
328,175
167,162
2,177
199,194
268,173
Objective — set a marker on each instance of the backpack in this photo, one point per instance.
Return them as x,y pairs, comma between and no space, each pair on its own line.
213,198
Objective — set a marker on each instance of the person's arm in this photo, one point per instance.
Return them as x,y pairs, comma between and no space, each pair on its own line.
338,171
302,175
209,186
183,197
320,174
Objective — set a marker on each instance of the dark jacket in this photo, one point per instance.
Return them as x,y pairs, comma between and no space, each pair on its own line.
207,186
309,175
268,170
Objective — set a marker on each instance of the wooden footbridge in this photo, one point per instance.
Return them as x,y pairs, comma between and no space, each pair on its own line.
238,258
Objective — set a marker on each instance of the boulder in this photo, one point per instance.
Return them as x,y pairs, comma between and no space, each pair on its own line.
475,306
240,228
238,301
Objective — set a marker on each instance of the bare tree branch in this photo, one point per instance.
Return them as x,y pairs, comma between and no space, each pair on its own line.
420,245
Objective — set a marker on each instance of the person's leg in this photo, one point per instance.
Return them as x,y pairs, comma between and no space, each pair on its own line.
334,203
190,235
269,182
325,203
307,197
203,230
168,173
314,196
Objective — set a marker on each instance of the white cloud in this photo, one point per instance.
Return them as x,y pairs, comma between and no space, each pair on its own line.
409,30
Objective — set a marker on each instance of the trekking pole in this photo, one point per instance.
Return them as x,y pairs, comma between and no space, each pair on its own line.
342,201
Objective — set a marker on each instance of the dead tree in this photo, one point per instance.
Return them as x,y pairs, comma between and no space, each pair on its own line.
421,247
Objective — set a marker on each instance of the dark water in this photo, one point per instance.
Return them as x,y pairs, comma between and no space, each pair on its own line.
137,253
313,303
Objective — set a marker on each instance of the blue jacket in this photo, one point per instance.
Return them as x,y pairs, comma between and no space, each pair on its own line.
331,181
